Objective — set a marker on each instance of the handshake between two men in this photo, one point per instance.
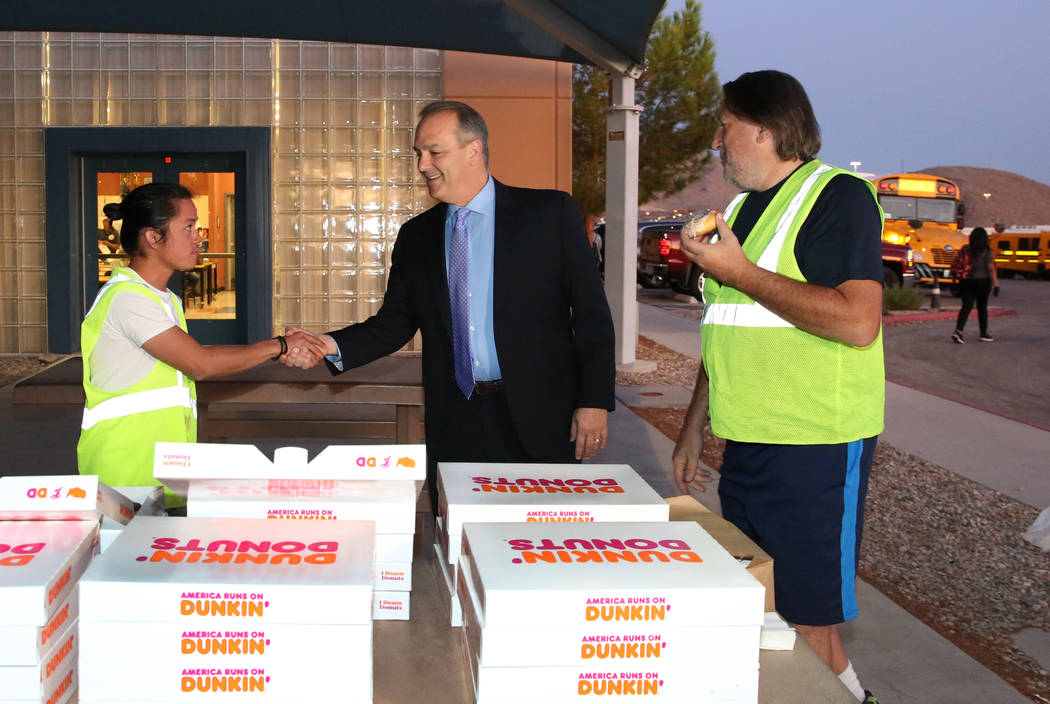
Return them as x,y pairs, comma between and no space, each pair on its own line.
305,349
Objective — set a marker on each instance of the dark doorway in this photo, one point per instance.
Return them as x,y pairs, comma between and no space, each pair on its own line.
228,295
214,310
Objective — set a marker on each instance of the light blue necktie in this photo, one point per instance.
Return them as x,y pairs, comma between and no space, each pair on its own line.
458,289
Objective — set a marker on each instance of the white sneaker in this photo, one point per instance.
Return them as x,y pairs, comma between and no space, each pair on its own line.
957,336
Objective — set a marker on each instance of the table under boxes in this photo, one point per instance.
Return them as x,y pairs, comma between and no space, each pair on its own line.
558,612
531,494
190,609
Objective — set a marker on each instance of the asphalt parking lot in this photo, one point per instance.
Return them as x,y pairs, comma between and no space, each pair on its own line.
1010,376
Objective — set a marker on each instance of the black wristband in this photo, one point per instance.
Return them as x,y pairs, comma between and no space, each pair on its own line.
284,347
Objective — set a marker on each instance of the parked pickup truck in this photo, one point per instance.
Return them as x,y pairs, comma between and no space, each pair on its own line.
660,259
662,263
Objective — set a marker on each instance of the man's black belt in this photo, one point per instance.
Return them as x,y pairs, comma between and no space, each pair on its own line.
484,388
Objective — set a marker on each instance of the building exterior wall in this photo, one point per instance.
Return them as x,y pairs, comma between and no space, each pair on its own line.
342,118
527,104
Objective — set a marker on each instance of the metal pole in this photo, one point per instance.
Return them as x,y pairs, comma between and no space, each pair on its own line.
621,217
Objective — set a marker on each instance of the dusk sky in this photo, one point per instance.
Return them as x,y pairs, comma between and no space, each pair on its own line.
904,85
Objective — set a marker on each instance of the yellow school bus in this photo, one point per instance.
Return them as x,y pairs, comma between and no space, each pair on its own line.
923,211
1021,250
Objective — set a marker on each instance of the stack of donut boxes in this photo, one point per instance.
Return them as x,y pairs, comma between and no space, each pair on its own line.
379,483
569,581
200,609
49,534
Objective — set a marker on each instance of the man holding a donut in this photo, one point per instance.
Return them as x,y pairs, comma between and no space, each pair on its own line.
792,371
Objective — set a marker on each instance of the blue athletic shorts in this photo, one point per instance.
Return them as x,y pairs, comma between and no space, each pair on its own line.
804,505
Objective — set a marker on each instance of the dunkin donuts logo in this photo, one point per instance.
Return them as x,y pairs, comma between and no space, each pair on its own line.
54,624
602,550
565,516
58,586
632,608
385,462
223,643
546,485
223,604
240,552
627,646
62,688
58,492
19,555
622,683
59,657
300,514
221,680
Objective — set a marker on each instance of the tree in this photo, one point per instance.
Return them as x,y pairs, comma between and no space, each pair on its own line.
679,94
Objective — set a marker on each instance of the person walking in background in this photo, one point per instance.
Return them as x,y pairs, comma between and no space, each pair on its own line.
791,368
974,266
518,340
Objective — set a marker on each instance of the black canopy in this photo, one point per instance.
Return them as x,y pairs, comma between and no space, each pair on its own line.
610,33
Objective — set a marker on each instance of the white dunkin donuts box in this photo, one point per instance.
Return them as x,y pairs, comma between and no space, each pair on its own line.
176,463
608,575
52,678
62,498
394,547
40,563
27,645
446,582
393,576
147,501
699,648
233,571
273,644
391,606
224,680
540,494
521,685
390,504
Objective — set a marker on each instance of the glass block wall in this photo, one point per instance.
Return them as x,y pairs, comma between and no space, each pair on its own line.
343,169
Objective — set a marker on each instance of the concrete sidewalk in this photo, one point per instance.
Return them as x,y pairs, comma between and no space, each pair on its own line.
896,655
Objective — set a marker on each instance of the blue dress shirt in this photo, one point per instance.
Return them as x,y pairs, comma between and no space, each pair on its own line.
481,232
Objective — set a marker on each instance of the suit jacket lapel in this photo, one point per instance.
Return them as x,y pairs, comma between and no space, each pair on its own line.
503,248
438,274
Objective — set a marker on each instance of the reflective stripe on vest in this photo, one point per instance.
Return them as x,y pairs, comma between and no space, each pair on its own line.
139,401
755,315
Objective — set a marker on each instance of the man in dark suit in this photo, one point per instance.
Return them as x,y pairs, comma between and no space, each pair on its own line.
528,320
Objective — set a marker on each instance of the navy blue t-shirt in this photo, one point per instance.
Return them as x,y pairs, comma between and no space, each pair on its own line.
841,239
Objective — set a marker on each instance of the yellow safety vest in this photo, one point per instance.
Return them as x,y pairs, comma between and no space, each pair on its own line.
120,428
769,381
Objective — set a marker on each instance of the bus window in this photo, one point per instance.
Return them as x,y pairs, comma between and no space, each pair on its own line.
897,207
936,210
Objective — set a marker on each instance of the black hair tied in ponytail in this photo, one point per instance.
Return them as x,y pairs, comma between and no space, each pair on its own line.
150,206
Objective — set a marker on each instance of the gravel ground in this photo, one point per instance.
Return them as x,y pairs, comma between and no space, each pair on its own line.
945,548
14,367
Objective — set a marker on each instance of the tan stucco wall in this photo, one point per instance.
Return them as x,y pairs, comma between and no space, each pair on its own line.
527,104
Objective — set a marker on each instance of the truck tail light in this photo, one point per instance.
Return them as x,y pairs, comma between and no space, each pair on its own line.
665,248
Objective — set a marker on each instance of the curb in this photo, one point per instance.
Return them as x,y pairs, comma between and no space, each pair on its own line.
901,318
